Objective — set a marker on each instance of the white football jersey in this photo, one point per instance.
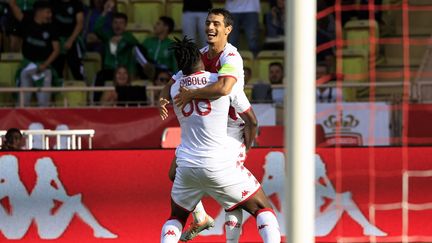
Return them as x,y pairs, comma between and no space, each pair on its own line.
204,140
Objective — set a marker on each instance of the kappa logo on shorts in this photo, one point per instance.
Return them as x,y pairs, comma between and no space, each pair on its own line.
51,214
170,233
245,193
260,227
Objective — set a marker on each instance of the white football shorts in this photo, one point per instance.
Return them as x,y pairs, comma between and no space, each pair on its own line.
229,187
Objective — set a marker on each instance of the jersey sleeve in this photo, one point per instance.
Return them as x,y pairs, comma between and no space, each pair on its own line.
240,102
231,65
177,76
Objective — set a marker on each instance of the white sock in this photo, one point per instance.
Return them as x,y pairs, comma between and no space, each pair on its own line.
199,213
233,223
171,231
268,227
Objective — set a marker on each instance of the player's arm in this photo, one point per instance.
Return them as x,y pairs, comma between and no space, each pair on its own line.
251,126
216,90
243,107
164,99
16,11
79,17
172,169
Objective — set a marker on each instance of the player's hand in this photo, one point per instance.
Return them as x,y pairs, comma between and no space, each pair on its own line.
68,44
183,98
163,111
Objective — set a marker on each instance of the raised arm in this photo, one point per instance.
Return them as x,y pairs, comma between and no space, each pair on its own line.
16,11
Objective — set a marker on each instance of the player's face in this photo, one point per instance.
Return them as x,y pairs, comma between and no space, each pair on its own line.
215,29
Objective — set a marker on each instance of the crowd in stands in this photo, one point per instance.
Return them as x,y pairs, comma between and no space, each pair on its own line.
54,36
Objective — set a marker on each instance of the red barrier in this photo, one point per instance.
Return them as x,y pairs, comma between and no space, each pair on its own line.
127,192
115,127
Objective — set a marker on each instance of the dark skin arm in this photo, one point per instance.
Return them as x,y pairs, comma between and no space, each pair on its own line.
214,91
164,99
250,129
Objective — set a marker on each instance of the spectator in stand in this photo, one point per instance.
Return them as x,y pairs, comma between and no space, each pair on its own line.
157,48
324,94
246,15
40,48
275,20
193,19
247,80
119,45
13,140
92,13
325,33
121,78
10,23
276,75
161,79
68,16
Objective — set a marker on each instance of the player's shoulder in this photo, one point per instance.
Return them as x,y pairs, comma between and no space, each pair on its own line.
230,52
204,49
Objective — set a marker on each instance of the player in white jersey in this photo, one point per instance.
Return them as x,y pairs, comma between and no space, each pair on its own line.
231,185
220,56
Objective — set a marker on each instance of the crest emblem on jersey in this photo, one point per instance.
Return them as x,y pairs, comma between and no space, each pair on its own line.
45,35
70,10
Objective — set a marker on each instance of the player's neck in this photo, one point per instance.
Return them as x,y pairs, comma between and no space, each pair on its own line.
216,48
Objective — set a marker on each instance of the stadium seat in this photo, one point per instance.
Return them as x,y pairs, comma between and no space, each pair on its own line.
248,61
9,63
72,98
358,32
123,7
147,12
264,59
174,9
171,137
355,69
394,54
92,64
139,30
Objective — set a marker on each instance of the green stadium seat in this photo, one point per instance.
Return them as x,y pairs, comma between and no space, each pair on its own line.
355,70
123,7
72,98
9,64
263,60
92,64
147,12
359,33
174,9
139,30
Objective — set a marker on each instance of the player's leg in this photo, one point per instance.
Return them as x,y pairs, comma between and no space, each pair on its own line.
242,190
185,195
233,225
171,230
201,220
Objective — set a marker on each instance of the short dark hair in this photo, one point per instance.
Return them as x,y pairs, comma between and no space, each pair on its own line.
187,55
168,21
41,4
228,18
10,132
120,16
278,64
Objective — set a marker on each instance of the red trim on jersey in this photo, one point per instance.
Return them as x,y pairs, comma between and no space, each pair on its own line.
211,64
227,75
197,73
248,109
242,201
264,210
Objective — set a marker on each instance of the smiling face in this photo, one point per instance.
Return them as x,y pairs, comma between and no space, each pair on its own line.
216,29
